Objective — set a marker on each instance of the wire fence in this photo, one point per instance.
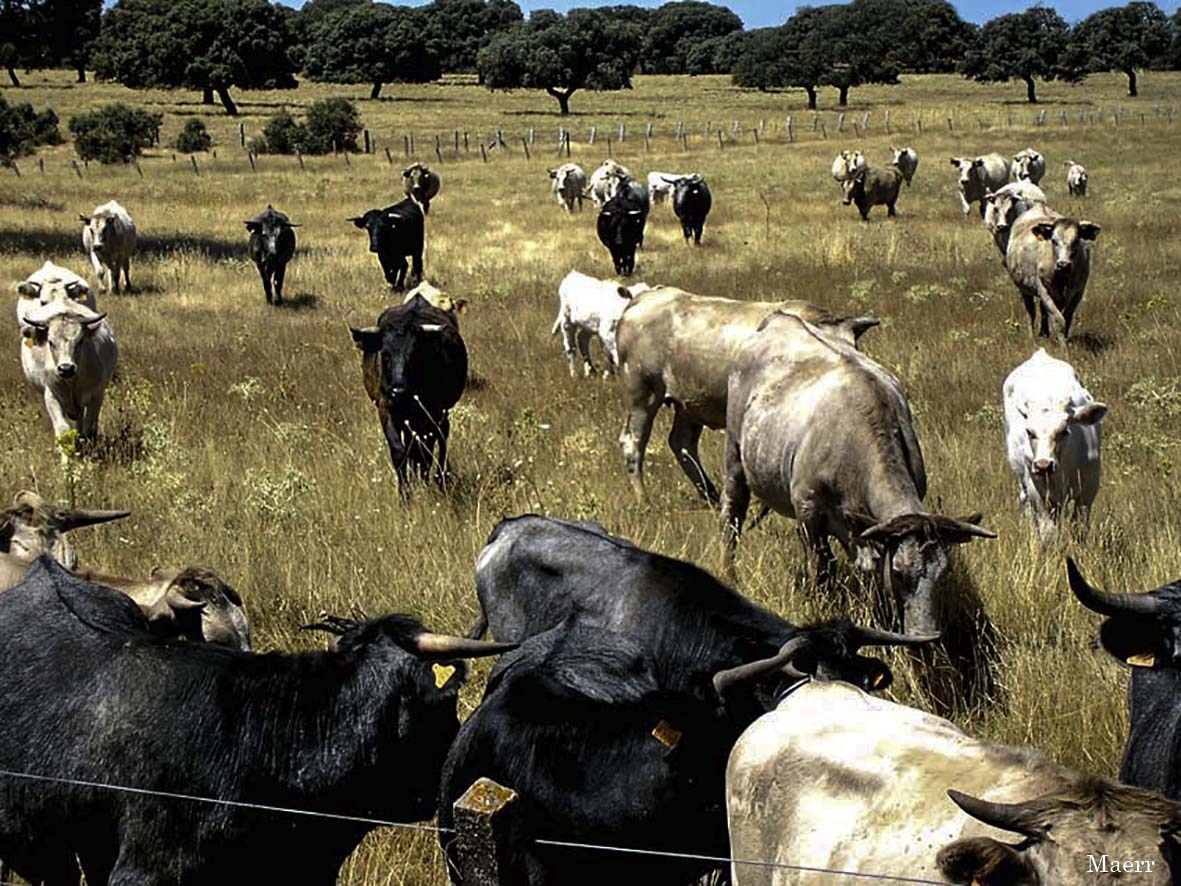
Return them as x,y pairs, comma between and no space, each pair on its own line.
381,823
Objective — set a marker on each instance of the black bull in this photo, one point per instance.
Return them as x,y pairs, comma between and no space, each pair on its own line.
394,233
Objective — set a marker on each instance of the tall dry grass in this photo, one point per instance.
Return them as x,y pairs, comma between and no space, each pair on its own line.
241,436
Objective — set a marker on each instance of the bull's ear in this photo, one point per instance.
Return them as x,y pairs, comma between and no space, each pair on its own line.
1044,230
553,173
28,290
1088,230
1089,414
955,161
85,219
459,305
367,340
983,861
977,162
358,220
252,226
623,292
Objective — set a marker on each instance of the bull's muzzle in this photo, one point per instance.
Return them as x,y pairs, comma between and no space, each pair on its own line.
1062,266
66,370
1044,466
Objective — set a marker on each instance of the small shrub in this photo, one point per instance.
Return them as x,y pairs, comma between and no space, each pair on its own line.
281,135
114,133
333,121
22,129
194,138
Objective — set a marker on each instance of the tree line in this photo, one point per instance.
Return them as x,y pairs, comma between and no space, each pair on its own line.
215,46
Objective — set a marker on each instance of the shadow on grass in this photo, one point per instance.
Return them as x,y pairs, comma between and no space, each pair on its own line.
301,301
1093,343
68,238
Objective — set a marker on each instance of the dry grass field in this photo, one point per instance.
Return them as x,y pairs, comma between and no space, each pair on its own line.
241,436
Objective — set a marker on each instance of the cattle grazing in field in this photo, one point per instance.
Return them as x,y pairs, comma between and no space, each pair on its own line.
569,183
414,365
823,434
1054,433
33,291
606,181
68,356
1076,179
394,233
359,731
1029,165
1144,632
907,160
873,186
1049,258
108,237
421,184
677,348
32,526
272,244
456,307
591,307
621,226
661,185
846,165
692,202
836,780
1005,206
980,176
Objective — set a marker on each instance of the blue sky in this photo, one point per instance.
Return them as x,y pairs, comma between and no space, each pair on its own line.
758,13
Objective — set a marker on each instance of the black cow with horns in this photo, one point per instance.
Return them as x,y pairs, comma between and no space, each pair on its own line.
272,244
394,233
360,731
1144,632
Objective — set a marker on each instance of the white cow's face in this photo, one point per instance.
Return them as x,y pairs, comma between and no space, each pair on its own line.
1047,431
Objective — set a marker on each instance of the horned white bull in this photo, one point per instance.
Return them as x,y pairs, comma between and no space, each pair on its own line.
591,307
847,164
980,176
1076,179
1054,432
1002,208
456,307
661,185
908,161
606,181
835,779
68,356
108,236
32,292
569,183
1029,165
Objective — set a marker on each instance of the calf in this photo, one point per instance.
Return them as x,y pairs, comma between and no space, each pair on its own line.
33,291
1076,179
822,434
569,183
1029,165
1049,258
980,176
873,186
586,307
68,357
692,202
1054,432
414,365
906,160
395,232
31,527
621,226
272,243
108,236
1003,207
421,184
356,734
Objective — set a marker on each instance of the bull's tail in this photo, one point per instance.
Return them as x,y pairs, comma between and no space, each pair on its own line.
557,324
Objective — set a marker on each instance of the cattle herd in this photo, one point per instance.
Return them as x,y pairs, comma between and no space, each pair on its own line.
637,702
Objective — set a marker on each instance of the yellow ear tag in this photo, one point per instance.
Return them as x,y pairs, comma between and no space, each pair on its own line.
878,679
443,673
667,734
1144,660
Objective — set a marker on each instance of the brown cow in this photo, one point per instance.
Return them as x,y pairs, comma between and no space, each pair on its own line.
421,184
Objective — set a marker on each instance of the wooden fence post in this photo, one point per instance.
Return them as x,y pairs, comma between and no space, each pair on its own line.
525,145
483,151
368,142
790,134
138,168
77,170
484,818
299,159
887,122
193,160
594,130
721,144
250,157
841,122
389,157
15,168
242,135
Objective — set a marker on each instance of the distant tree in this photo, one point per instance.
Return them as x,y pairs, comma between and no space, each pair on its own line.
212,45
18,48
370,43
793,55
1022,46
66,30
718,55
930,37
114,133
862,42
330,124
630,14
1173,59
22,129
194,138
586,49
1123,38
675,29
459,29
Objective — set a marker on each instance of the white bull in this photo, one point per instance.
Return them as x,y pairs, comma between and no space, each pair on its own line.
591,307
980,176
606,181
32,292
662,184
1029,165
847,165
108,236
1053,429
569,183
1076,179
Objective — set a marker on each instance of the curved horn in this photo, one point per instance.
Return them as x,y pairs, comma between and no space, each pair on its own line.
331,624
95,320
970,525
179,601
446,646
1006,816
68,519
36,324
874,637
1108,604
723,680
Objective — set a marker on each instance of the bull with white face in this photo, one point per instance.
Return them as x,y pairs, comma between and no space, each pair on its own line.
69,356
980,176
1053,429
606,182
1049,258
908,161
32,292
1076,179
569,183
1029,165
108,236
847,164
1005,206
